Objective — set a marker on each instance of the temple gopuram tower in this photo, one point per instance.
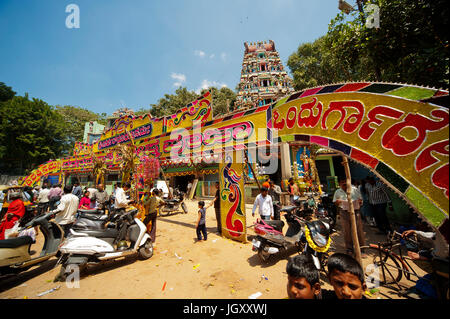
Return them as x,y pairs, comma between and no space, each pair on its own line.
263,78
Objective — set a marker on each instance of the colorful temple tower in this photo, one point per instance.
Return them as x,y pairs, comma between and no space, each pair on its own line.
263,78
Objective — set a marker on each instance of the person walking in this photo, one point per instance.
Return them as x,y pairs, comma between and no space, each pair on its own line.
151,205
294,192
77,190
341,201
379,200
201,222
101,197
66,210
366,213
275,193
265,204
43,198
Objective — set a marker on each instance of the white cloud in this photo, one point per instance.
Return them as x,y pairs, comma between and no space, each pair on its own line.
212,56
206,84
223,56
180,79
200,53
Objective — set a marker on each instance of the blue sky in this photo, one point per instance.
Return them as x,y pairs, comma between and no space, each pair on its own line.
130,53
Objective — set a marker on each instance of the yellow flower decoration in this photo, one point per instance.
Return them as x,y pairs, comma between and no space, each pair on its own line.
313,245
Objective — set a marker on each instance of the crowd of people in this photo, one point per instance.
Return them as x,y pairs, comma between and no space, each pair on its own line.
370,200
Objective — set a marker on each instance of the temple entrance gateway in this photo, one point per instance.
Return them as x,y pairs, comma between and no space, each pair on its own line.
398,132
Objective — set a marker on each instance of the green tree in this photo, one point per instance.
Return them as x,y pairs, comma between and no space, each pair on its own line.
74,119
31,131
411,46
6,92
222,99
171,103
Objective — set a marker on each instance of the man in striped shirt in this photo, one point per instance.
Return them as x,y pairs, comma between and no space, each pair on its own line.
378,201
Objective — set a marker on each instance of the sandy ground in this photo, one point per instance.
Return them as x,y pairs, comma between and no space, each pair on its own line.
180,268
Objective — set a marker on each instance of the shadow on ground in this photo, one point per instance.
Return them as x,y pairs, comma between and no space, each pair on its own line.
13,280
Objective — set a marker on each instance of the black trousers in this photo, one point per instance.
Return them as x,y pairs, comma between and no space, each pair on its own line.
201,229
276,212
379,213
219,221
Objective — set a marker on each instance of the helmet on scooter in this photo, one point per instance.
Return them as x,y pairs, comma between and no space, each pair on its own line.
318,232
122,245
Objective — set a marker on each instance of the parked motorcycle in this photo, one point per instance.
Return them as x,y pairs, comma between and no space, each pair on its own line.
125,235
174,204
270,239
317,241
15,252
326,210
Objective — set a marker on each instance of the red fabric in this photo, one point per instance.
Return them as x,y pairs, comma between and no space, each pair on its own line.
85,201
18,209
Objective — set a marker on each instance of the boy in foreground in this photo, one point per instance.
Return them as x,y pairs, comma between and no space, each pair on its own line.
346,276
303,278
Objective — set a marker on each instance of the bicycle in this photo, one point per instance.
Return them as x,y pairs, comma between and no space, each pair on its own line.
393,265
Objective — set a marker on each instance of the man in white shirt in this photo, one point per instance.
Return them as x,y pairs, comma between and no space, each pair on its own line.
264,201
43,198
121,201
341,201
66,210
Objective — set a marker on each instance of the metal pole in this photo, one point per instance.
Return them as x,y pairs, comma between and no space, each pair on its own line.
351,211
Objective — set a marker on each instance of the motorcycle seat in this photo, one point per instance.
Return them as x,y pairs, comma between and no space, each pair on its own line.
277,224
91,211
94,217
288,209
16,242
171,201
104,233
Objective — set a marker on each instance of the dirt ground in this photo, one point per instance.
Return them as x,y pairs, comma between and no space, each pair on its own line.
180,268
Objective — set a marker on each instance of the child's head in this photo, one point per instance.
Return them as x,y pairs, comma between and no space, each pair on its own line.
303,278
201,204
346,276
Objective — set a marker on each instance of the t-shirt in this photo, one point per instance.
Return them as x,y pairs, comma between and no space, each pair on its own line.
43,195
67,209
152,203
202,221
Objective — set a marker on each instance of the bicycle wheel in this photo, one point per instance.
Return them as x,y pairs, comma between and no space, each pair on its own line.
374,261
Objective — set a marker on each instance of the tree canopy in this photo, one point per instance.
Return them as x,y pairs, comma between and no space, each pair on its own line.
74,120
171,103
411,46
31,133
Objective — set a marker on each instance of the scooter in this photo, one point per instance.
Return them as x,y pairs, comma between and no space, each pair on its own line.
317,240
83,247
270,239
15,252
173,205
90,219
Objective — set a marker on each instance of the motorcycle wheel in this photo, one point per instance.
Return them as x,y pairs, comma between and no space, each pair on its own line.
146,251
163,212
183,206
